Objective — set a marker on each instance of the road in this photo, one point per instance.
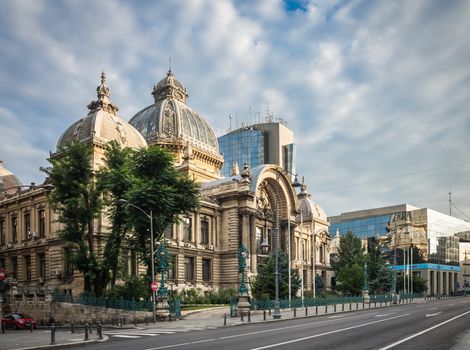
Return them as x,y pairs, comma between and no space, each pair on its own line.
441,324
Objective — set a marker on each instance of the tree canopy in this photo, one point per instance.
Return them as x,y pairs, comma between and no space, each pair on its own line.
263,286
145,178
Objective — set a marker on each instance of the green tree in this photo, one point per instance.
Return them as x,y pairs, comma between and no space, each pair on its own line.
380,276
263,287
349,263
158,187
351,278
419,284
114,181
76,200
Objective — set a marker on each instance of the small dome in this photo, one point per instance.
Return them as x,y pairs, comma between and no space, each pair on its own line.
8,181
169,119
310,209
102,124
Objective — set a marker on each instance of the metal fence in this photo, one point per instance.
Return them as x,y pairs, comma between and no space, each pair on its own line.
133,305
285,304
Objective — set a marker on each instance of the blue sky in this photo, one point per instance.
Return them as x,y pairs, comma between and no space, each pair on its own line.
377,92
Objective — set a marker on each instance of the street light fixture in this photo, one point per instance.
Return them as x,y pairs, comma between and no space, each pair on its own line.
152,257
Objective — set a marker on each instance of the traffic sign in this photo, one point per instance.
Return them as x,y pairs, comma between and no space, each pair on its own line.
2,274
154,286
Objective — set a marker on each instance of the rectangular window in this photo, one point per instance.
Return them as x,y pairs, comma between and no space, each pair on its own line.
14,229
189,269
68,266
171,273
205,232
2,232
187,229
206,270
14,267
27,267
168,232
42,265
27,225
42,222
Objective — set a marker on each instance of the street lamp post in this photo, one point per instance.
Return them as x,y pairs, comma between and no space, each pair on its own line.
152,257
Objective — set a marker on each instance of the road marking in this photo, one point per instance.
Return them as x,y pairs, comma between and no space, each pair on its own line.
384,315
327,333
203,341
289,327
125,336
433,308
424,331
169,346
434,314
337,316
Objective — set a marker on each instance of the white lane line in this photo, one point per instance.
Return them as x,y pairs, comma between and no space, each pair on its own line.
288,327
125,336
327,333
337,316
203,341
169,346
384,315
433,308
424,331
434,314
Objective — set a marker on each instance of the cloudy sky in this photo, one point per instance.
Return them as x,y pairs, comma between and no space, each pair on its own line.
377,92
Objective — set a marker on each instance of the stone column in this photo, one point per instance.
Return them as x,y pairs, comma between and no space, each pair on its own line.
253,253
197,228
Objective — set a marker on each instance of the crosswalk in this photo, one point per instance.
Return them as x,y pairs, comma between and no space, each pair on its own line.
152,332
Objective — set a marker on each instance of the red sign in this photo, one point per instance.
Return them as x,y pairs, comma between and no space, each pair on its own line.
154,286
2,274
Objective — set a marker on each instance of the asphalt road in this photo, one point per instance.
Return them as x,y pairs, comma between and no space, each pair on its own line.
438,325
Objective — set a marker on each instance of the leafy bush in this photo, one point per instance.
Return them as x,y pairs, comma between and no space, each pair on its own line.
198,296
136,288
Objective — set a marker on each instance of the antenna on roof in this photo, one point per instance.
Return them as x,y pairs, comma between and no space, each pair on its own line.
230,119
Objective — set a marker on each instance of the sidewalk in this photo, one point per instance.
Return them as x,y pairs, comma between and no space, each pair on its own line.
202,319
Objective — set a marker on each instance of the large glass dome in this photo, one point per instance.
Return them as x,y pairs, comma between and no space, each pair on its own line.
170,119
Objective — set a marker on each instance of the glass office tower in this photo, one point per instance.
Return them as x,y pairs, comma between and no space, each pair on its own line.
257,144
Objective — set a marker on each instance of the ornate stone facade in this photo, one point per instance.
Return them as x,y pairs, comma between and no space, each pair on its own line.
241,209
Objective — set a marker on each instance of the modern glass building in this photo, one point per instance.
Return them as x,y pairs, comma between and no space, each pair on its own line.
420,240
257,144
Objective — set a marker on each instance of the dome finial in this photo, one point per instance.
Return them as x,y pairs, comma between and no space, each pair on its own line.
103,102
169,67
303,190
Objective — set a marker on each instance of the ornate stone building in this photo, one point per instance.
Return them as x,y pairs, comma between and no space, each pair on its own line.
241,209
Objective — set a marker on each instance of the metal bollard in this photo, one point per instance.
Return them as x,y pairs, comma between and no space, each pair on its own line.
225,318
264,315
90,325
31,328
357,305
334,308
53,334
342,307
306,311
86,331
99,330
249,316
2,328
295,312
362,303
316,310
241,315
375,303
269,312
72,327
380,303
369,305
146,321
326,309
350,306
135,321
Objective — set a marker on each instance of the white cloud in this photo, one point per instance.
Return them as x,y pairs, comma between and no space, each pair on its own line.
371,89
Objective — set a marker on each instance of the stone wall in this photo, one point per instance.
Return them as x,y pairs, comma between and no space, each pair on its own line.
46,312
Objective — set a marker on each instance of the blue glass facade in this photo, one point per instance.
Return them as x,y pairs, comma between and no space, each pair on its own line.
363,228
242,146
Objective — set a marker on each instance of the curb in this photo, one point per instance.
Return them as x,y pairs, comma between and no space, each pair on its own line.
63,345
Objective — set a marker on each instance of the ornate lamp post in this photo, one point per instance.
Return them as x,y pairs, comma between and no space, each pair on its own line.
243,304
152,255
163,309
